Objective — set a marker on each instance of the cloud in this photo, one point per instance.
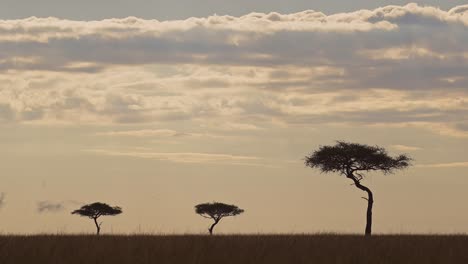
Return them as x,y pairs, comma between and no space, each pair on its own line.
44,30
167,133
183,157
50,207
254,39
6,112
144,133
445,165
238,126
2,199
405,148
394,65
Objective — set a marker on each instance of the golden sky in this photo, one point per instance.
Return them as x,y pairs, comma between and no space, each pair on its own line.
159,115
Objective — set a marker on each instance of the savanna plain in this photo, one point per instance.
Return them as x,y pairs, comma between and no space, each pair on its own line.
175,249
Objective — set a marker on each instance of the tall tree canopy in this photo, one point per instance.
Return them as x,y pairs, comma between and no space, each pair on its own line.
217,211
352,160
96,210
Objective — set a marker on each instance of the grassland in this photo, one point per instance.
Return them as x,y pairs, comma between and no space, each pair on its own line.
226,249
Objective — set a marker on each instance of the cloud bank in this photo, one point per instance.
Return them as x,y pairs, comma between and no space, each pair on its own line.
394,65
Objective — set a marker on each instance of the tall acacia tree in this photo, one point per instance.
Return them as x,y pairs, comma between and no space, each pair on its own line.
352,160
217,211
96,210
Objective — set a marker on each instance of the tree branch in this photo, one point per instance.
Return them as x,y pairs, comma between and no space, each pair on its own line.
207,216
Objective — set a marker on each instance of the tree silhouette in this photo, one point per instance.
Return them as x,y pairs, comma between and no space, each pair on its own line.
96,210
351,160
217,211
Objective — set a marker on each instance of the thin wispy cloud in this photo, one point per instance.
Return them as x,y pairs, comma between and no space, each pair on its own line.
463,164
405,148
156,133
50,207
145,133
184,157
2,199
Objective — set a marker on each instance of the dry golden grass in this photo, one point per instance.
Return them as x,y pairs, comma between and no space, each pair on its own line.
226,249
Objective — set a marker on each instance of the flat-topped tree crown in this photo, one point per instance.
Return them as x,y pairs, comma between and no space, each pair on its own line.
217,211
96,210
348,158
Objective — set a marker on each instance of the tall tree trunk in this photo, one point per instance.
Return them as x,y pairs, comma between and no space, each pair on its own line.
370,203
212,226
98,226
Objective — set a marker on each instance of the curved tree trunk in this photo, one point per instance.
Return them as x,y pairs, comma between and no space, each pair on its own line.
98,226
212,226
370,203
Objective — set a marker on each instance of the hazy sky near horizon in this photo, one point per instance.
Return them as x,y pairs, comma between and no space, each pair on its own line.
157,106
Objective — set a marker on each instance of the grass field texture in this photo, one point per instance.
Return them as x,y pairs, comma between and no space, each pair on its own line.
226,249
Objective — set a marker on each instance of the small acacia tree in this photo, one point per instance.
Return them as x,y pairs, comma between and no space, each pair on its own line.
217,211
351,160
96,210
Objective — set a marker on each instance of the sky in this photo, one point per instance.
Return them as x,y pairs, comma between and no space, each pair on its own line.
157,106
182,9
